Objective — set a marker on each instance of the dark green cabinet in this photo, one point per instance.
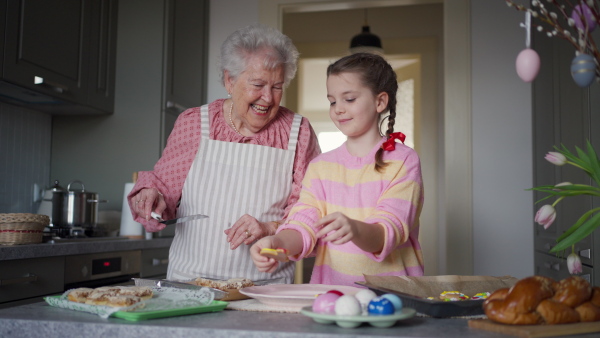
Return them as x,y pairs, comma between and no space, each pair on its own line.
563,113
61,53
186,29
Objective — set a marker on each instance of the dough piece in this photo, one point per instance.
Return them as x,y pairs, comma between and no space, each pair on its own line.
224,285
142,292
122,301
79,295
278,254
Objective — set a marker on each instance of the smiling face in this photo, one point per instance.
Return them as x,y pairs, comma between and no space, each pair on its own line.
353,108
256,94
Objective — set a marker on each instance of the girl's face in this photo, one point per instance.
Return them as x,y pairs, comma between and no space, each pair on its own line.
256,93
353,107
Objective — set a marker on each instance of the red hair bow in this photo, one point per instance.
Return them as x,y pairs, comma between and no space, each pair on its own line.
390,144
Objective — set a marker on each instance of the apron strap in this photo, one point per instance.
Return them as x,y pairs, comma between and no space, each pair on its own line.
204,123
294,131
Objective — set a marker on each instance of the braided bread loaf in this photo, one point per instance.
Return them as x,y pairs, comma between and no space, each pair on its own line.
542,300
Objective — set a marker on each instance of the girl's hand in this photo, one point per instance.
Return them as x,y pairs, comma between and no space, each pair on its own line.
264,264
148,200
246,230
336,228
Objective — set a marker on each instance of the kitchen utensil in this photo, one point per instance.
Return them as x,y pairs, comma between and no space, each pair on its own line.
51,204
177,220
79,207
536,330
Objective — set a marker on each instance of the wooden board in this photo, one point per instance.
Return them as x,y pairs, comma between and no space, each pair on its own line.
535,330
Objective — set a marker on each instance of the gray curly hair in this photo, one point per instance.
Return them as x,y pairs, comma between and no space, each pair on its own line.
251,39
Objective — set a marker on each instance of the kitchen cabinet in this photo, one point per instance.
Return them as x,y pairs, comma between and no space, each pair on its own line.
563,113
59,55
185,65
26,278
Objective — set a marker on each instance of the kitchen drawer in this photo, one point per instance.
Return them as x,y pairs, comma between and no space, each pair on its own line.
26,278
555,267
154,262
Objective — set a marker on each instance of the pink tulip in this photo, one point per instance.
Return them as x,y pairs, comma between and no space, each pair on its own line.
556,158
574,264
545,216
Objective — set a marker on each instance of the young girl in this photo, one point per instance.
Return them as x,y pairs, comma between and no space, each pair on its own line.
359,208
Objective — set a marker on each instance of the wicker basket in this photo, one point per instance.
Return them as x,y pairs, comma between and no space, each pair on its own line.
22,228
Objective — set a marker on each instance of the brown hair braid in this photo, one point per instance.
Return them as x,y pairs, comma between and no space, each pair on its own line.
377,75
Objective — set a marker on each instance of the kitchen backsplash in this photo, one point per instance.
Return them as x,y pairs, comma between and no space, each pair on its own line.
25,150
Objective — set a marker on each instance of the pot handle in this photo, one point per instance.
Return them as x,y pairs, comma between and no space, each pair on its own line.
76,181
97,201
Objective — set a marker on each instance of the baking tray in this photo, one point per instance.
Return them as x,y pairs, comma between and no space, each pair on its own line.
434,308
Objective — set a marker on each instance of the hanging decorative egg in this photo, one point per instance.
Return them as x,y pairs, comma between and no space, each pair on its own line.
583,70
586,12
528,64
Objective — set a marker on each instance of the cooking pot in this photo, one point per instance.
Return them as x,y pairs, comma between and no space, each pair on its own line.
77,208
51,202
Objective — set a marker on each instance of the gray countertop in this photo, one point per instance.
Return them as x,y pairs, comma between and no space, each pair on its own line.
93,245
40,319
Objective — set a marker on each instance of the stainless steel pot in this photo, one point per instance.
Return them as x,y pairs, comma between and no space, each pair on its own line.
51,203
79,208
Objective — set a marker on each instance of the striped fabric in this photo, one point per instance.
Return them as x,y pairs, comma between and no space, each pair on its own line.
339,182
226,181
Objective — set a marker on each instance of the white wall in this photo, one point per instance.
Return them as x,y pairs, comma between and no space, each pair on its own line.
501,130
502,144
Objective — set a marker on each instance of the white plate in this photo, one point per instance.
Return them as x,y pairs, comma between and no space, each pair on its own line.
293,295
355,321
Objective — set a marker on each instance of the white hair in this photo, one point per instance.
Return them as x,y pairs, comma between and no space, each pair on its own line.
241,44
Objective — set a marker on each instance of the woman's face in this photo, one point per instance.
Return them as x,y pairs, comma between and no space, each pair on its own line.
256,94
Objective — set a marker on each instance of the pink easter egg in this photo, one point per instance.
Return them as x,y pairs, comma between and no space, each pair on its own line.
325,303
584,10
528,64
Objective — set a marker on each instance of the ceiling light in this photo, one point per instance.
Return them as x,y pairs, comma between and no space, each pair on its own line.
366,41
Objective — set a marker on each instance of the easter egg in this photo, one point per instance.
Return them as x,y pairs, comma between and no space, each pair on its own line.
584,11
396,301
347,305
364,297
528,64
381,306
583,70
339,293
325,303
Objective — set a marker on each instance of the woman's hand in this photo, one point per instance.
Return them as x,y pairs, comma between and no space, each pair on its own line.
148,200
336,228
264,264
248,229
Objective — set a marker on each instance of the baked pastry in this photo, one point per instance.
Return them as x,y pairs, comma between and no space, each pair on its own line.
224,285
451,296
542,300
481,295
79,295
278,254
115,296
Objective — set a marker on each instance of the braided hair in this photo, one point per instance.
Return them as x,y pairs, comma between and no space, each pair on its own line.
377,75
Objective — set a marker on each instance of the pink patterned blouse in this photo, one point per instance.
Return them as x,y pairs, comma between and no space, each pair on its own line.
171,170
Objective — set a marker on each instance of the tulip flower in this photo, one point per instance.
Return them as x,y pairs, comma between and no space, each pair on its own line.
556,158
545,216
574,264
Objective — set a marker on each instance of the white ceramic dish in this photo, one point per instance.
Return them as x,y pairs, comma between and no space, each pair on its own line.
293,295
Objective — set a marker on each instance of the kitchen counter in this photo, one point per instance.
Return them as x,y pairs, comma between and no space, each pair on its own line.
40,319
92,245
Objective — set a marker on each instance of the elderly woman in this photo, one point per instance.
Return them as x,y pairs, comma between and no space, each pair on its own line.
239,160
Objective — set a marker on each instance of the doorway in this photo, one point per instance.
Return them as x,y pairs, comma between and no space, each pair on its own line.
412,38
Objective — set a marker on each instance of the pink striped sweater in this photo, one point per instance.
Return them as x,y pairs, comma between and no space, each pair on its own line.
393,199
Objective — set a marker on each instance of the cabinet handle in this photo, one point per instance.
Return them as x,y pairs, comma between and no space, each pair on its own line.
55,86
587,253
158,261
177,106
21,280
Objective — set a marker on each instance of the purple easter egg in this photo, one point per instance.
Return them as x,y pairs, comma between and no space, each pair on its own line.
588,17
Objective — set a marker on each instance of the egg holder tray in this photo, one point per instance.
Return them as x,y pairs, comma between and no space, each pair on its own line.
433,308
351,322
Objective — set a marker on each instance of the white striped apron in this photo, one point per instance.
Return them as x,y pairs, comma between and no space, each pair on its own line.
226,181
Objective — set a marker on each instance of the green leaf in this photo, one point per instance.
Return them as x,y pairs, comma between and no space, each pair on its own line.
582,232
575,226
594,163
